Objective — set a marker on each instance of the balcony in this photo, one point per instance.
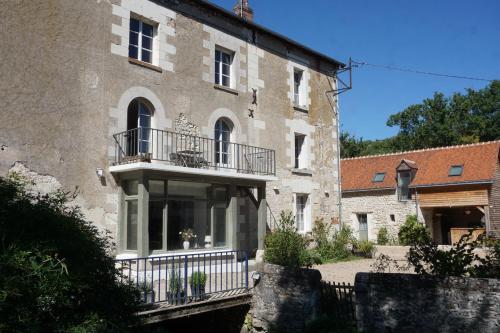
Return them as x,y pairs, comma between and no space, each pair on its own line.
171,151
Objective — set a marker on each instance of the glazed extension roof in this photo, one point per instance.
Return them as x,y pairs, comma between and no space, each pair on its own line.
260,28
479,162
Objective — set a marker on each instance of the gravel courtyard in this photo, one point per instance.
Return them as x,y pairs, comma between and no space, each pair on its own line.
346,271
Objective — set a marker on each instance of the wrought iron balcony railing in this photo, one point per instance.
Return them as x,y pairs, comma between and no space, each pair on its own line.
148,144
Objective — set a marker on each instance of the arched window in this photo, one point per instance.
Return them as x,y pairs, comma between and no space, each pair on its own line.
139,127
222,142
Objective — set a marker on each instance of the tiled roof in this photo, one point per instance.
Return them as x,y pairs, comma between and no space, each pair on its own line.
479,164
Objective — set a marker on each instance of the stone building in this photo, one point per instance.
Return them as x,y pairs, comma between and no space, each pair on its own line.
167,115
450,189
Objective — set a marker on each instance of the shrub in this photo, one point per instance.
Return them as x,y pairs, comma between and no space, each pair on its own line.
460,260
343,241
285,246
55,271
365,248
412,232
383,236
321,234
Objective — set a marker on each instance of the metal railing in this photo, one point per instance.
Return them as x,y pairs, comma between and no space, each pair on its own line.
182,279
147,144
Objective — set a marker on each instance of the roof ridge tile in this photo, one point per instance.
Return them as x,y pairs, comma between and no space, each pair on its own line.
422,150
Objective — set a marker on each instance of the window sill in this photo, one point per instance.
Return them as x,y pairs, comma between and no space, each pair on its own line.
226,89
145,64
301,108
304,172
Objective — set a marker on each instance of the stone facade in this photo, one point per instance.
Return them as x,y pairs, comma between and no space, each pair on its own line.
72,83
378,206
285,299
413,303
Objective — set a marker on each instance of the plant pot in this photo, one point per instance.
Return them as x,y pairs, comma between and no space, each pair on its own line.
185,245
176,297
198,291
148,296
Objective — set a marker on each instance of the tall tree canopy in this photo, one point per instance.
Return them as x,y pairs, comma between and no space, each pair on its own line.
436,122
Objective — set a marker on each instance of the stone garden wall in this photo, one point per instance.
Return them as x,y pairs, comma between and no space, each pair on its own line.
413,303
284,299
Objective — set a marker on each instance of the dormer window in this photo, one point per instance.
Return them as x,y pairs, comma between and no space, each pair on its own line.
456,170
404,179
379,177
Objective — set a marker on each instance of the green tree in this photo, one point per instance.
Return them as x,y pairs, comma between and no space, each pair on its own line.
55,271
436,122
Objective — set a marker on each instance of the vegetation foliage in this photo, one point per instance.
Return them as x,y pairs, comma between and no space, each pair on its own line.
333,245
383,236
56,274
413,232
285,246
436,122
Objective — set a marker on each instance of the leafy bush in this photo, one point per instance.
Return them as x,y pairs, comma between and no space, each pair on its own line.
383,236
412,232
285,246
321,232
460,260
198,279
343,241
365,248
55,271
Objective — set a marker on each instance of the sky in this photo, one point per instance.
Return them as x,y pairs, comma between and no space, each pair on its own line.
455,37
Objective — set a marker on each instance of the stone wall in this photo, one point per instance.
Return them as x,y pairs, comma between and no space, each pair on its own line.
378,205
413,303
285,299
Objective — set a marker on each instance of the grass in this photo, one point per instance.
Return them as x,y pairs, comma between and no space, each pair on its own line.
336,260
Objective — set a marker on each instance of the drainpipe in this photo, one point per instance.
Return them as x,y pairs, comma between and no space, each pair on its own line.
337,113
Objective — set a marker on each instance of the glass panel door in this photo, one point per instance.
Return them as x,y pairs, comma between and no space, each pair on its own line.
363,227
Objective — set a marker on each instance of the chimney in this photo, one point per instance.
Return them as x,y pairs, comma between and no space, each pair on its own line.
242,9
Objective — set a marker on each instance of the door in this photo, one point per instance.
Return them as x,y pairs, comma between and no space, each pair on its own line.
363,227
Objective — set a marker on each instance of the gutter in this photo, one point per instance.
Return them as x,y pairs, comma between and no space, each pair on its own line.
480,182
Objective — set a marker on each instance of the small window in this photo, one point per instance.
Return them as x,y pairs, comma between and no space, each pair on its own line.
297,82
393,218
141,41
223,61
456,170
379,177
299,151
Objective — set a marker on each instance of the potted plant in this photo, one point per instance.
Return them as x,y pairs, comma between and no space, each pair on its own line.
176,293
197,284
187,235
147,292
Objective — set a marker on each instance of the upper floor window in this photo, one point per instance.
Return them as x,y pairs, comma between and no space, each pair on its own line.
456,170
297,86
379,177
404,179
141,40
223,62
300,159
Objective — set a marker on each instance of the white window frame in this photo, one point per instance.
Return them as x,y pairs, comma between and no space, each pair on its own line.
302,155
140,37
218,65
306,212
298,87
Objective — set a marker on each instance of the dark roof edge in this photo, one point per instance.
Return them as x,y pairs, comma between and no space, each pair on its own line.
270,32
478,182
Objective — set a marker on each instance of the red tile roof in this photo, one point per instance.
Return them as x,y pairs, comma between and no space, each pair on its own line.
479,164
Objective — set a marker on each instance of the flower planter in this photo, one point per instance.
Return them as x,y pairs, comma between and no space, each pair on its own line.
176,297
148,296
198,291
185,245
